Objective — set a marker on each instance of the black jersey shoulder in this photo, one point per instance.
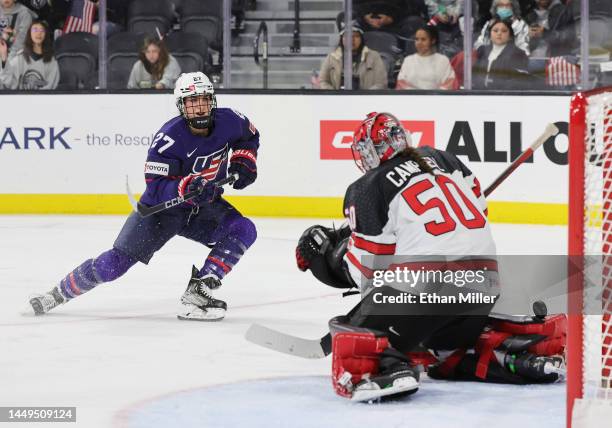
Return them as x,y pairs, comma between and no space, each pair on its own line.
369,197
447,162
372,193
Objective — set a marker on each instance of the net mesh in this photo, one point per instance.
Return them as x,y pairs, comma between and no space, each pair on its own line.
597,352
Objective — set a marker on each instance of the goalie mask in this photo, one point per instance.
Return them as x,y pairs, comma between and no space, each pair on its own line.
195,99
379,138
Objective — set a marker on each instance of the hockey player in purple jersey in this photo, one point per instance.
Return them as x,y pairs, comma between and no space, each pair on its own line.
191,151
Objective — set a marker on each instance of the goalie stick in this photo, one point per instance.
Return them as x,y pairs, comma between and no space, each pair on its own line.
145,211
320,348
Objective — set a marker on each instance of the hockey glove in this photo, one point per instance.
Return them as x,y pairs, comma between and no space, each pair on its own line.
243,163
208,190
314,242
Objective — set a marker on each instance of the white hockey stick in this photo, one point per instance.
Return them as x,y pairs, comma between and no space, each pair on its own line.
320,348
288,344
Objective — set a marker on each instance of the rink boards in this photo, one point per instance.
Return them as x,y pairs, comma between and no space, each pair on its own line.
71,153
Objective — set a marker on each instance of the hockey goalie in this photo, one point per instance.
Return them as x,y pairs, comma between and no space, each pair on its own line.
415,211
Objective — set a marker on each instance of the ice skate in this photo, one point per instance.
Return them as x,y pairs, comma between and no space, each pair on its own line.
44,303
197,302
396,378
538,368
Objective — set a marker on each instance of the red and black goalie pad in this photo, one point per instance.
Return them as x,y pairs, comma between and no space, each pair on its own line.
543,338
355,354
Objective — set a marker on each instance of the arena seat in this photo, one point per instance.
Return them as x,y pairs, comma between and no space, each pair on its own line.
77,53
187,48
205,18
145,16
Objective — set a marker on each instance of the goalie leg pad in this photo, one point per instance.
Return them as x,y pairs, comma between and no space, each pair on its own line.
365,367
517,352
355,356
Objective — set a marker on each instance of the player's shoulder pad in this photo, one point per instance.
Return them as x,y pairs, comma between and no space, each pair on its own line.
445,161
175,123
371,195
235,119
176,128
229,114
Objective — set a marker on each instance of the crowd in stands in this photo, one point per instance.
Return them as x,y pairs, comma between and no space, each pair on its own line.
52,44
401,44
517,44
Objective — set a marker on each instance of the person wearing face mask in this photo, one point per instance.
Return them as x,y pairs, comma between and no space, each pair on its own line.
506,10
500,65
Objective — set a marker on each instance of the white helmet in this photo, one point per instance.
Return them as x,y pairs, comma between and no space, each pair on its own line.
191,85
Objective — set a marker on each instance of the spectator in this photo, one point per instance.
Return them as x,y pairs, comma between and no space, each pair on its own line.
155,68
445,12
369,71
445,15
501,64
506,10
34,67
15,19
551,29
399,17
426,69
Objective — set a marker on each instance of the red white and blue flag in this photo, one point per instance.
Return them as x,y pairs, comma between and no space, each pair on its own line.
80,17
208,166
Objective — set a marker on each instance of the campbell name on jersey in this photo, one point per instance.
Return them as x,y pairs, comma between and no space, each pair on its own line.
397,209
175,152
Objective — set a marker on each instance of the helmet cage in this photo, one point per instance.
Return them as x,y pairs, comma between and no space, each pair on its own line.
198,122
369,154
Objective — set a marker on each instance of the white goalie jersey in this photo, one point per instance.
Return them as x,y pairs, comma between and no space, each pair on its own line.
398,210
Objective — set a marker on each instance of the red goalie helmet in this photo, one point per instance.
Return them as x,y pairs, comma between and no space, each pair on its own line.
379,138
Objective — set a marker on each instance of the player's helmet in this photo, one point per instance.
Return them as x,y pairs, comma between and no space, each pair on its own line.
192,85
379,138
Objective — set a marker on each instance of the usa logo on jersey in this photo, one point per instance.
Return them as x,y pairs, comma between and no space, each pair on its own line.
208,166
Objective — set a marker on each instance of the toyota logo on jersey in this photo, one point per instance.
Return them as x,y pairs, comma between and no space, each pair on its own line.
208,166
336,136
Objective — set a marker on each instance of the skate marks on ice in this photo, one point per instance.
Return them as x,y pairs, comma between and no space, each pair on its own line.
309,402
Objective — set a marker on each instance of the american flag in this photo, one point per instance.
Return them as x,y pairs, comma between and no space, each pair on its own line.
561,72
80,17
208,166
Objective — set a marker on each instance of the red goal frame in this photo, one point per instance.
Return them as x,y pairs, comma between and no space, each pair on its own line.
577,147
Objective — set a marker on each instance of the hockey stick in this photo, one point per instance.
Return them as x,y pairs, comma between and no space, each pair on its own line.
145,211
550,131
288,344
320,348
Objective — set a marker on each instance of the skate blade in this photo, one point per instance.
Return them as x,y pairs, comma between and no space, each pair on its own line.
210,315
28,311
187,318
400,386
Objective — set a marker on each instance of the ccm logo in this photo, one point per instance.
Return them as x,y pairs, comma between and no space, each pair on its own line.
336,136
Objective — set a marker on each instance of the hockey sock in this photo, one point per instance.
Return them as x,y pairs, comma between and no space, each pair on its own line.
228,251
108,266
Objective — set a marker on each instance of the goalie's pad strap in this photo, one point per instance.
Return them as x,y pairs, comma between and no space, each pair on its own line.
552,332
554,328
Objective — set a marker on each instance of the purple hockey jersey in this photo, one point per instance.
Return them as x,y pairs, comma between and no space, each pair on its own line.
176,153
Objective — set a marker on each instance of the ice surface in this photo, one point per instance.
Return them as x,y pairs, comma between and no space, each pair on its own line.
123,359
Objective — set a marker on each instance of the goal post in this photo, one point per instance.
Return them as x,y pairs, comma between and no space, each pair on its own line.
589,336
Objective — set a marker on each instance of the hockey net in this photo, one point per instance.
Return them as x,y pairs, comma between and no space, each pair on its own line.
589,355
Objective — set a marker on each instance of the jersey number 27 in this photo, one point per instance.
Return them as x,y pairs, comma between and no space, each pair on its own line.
448,224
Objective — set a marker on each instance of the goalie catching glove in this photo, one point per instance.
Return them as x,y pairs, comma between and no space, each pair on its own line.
321,250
